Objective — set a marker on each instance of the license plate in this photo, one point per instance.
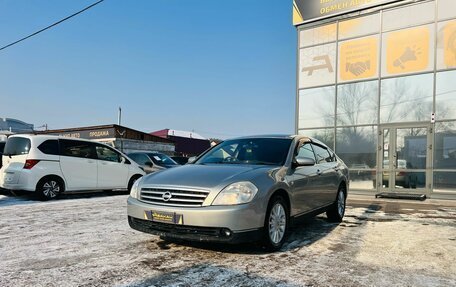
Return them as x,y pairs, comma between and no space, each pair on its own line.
164,217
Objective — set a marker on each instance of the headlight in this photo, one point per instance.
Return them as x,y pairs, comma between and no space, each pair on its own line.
236,193
134,192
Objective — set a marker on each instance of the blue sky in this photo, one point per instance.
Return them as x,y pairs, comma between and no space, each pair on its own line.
220,68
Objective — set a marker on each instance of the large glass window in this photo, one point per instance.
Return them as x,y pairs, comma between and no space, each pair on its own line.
316,107
446,9
357,103
317,66
445,146
445,97
408,51
326,136
408,16
318,35
358,59
446,45
360,26
357,146
406,99
444,181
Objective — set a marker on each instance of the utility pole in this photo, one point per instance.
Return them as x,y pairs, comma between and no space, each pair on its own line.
120,116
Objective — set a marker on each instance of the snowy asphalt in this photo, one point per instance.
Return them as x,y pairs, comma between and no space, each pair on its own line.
85,240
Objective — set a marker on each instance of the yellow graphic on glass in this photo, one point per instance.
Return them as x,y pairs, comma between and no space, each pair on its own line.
358,59
449,36
408,50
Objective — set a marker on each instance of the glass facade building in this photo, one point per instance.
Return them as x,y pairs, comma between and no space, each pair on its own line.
378,85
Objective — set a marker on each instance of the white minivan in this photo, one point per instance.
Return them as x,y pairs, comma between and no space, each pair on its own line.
50,165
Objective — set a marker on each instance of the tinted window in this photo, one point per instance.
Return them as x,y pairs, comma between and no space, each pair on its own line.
161,159
77,149
271,151
305,151
322,154
17,146
2,146
50,147
139,158
105,153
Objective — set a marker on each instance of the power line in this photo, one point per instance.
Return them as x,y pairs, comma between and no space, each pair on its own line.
52,25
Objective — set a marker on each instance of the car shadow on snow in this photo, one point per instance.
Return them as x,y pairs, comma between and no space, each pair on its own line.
303,233
211,275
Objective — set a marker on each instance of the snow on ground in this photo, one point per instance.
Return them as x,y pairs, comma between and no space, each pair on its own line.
86,241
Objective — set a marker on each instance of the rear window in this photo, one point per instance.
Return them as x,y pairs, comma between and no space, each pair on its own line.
49,147
17,146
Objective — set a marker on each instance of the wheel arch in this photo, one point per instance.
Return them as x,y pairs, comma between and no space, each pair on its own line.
284,194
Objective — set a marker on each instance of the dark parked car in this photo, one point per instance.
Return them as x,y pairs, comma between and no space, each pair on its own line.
152,161
2,147
244,189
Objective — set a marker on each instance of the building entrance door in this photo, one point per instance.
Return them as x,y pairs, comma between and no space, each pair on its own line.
404,159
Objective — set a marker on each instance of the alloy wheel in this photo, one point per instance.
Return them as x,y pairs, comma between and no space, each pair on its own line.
341,203
51,188
277,223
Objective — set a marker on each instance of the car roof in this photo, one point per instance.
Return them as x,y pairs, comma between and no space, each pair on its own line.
283,136
50,137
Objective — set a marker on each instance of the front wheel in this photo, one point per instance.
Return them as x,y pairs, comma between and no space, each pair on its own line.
337,210
276,224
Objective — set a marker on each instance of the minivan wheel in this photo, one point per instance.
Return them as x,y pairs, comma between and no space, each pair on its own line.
49,188
337,210
276,224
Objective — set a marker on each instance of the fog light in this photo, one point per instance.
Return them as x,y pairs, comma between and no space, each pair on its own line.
226,232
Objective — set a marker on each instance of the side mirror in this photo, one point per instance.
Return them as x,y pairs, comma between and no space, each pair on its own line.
191,159
149,164
304,161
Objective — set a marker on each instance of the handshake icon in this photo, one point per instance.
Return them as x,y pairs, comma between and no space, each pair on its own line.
357,68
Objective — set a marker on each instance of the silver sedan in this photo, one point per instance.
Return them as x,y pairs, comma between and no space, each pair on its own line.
243,189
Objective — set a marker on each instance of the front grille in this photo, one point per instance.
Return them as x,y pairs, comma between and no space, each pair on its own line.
179,197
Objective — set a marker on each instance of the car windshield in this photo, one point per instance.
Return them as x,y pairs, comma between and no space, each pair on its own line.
269,151
161,159
17,146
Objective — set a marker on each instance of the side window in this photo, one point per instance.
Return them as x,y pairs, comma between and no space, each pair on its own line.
321,153
50,147
305,151
107,154
332,156
77,149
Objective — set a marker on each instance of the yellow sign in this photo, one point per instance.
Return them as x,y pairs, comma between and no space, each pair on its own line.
358,59
407,50
449,36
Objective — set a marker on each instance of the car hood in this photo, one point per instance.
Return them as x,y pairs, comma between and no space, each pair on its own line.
205,176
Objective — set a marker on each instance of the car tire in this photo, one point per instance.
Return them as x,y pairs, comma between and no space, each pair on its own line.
276,224
49,188
132,181
337,210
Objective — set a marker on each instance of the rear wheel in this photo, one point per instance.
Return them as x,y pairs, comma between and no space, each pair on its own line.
49,188
337,210
276,224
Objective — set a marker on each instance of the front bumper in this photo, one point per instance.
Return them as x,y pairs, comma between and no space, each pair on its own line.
207,223
194,233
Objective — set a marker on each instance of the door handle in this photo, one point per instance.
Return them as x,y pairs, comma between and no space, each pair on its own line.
318,172
90,161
